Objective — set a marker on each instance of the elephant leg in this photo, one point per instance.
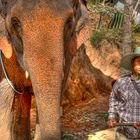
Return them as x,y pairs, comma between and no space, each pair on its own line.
6,101
21,117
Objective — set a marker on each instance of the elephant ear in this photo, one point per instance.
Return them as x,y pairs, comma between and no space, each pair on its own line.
14,29
5,46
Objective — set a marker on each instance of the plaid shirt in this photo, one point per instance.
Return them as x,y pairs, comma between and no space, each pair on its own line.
125,100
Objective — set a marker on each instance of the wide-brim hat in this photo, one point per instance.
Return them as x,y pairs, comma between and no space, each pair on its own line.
127,60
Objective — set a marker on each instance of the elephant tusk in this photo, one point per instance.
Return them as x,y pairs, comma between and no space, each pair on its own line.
26,74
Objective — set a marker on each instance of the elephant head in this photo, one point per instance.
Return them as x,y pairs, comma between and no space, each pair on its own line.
40,33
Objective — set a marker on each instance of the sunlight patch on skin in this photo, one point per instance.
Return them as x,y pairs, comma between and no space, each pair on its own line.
5,46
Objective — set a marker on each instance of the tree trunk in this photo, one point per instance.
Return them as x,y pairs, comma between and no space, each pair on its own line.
127,32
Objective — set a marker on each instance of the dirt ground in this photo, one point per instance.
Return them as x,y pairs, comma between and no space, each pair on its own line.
80,120
86,117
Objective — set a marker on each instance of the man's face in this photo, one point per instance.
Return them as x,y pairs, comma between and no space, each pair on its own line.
136,65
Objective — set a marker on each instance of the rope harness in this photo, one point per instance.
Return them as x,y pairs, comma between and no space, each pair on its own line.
6,76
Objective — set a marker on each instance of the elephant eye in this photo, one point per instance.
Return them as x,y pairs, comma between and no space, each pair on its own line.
16,24
68,30
69,26
69,23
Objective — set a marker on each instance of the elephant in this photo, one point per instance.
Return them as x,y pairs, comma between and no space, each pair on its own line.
37,37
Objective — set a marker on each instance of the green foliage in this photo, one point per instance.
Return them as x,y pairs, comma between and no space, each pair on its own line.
102,9
113,34
116,21
97,38
136,28
95,1
67,136
136,35
103,115
135,39
99,1
109,34
107,23
103,12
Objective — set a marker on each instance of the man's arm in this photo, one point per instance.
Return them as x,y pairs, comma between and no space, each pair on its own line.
113,105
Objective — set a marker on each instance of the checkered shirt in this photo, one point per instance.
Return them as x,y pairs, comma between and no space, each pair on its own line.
125,100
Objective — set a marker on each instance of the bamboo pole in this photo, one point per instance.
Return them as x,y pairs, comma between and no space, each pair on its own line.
135,8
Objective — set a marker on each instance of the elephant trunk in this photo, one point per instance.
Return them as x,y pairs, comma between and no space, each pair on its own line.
46,77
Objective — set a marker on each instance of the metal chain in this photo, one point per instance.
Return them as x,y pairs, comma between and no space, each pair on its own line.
6,76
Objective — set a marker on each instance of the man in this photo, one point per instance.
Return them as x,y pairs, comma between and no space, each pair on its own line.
124,100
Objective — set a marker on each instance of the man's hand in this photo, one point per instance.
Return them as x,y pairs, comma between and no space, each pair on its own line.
136,125
111,122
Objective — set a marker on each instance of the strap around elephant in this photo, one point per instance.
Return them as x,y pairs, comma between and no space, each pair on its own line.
136,86
6,76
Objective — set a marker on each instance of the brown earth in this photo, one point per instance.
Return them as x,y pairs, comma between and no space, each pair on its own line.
80,120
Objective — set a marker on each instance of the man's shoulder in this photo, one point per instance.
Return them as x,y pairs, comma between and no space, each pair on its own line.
122,81
124,77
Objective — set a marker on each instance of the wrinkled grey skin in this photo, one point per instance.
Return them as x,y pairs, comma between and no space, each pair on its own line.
6,100
37,31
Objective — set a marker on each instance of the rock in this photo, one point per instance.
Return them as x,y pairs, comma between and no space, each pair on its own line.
106,58
92,73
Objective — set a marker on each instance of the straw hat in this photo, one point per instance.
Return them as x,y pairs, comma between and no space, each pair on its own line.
127,60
